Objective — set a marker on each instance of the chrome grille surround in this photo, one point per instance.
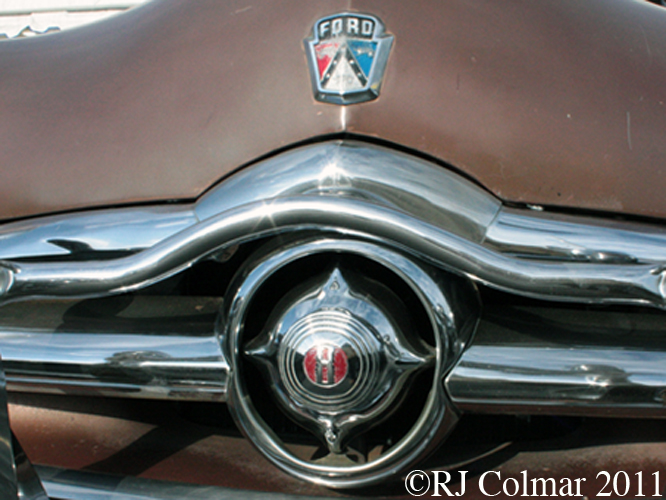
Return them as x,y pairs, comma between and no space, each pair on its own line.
343,191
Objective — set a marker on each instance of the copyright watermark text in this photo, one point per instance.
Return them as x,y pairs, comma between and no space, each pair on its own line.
492,484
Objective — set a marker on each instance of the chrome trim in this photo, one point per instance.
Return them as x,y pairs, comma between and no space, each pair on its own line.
339,169
542,235
18,479
436,419
352,170
29,485
8,479
376,199
348,188
566,380
115,365
79,485
96,232
155,347
576,282
540,358
378,361
372,192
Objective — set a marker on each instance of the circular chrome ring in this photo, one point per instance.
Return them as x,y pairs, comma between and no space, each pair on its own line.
438,416
339,330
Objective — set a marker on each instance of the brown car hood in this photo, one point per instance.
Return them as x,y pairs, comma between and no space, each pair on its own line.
557,102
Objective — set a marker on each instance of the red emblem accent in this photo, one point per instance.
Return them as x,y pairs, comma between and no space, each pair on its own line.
325,54
325,365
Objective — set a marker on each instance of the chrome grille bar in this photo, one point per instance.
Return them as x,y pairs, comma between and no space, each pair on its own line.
145,346
137,366
584,380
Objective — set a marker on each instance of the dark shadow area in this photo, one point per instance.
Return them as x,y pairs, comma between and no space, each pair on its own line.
150,449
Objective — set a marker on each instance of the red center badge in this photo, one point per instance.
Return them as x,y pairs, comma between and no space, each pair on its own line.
325,365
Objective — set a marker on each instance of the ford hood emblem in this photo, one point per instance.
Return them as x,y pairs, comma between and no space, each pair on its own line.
347,54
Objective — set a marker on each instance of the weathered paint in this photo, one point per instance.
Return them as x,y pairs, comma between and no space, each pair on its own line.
557,102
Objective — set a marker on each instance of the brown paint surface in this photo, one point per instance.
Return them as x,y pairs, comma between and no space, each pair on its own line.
556,102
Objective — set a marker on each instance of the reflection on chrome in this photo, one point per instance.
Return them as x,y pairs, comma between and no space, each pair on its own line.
522,379
403,201
18,480
139,366
431,228
449,323
580,282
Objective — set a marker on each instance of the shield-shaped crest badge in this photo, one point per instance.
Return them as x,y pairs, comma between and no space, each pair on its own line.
347,54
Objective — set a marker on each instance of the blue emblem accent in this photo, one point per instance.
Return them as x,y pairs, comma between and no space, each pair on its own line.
364,53
347,54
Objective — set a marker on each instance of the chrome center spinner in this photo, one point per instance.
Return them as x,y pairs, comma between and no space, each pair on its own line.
343,336
336,358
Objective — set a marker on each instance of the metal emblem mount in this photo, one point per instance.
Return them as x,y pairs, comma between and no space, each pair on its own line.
347,54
